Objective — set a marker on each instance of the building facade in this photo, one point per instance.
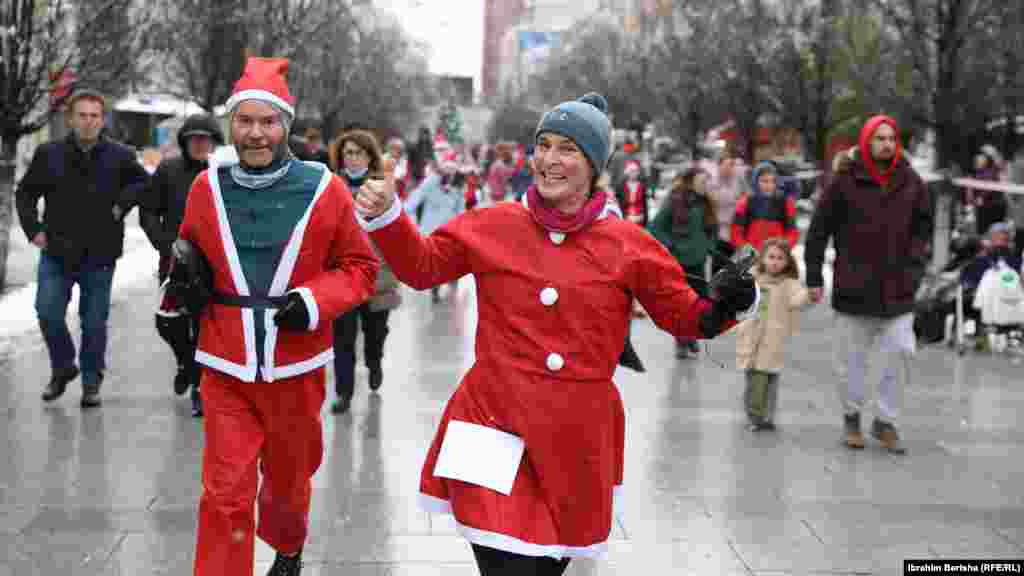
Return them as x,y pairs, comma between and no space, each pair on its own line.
519,34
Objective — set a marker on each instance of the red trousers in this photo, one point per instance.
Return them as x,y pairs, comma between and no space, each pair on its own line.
252,429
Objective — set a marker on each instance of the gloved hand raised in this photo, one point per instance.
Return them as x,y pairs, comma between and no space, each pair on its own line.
293,315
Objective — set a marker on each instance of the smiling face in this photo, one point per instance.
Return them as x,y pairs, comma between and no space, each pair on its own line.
257,130
563,173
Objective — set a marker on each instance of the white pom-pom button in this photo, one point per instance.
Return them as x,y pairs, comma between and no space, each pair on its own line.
555,362
557,237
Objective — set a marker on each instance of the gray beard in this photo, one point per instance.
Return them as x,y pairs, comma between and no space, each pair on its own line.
281,153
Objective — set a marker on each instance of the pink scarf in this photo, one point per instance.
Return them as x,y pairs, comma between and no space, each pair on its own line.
554,220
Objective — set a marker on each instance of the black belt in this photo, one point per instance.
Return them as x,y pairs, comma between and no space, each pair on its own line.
258,301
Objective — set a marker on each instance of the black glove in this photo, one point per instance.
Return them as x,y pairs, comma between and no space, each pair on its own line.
732,291
736,296
293,315
190,280
732,287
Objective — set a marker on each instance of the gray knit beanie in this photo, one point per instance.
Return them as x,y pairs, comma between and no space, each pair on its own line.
585,122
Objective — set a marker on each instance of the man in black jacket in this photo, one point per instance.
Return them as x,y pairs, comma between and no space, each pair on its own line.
89,184
161,214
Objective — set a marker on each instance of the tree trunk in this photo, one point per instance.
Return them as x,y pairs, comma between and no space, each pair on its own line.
7,165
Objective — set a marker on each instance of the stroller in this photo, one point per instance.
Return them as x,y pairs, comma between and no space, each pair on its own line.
943,294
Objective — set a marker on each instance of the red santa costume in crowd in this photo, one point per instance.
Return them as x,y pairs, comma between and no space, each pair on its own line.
633,197
263,409
554,294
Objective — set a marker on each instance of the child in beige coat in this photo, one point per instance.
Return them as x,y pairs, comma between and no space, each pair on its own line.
761,342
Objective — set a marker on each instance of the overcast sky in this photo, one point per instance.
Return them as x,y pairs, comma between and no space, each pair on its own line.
452,28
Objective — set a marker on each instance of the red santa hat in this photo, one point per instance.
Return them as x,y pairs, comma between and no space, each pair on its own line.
264,79
631,167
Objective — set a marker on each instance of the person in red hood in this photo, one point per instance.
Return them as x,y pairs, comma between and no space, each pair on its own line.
877,212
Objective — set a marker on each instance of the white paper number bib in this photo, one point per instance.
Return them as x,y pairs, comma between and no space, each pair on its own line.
480,455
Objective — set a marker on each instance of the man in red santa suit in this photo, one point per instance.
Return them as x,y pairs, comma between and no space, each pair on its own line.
529,453
286,258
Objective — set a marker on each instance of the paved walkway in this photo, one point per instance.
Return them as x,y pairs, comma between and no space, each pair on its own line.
114,491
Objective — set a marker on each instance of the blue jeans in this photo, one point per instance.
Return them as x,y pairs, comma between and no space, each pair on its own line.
54,291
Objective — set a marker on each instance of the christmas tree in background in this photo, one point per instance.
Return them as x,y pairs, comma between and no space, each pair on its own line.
451,124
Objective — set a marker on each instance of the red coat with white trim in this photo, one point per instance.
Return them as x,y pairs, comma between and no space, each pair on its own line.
328,261
554,310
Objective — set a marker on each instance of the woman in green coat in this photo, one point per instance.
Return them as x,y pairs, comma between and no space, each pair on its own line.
686,224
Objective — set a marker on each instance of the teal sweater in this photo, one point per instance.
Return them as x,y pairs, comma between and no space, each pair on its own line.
262,222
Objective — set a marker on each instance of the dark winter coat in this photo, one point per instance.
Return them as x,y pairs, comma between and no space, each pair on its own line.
690,243
881,240
163,208
80,190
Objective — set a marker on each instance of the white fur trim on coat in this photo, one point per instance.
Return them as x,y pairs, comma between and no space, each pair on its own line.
389,216
262,95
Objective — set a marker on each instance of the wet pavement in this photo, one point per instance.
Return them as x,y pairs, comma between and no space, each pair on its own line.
114,491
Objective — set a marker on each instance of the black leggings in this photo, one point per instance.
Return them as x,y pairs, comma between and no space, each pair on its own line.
493,562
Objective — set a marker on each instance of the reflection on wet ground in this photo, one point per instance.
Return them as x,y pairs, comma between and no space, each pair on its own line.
115,491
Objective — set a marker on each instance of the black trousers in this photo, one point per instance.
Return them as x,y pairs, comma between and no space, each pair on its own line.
493,562
346,327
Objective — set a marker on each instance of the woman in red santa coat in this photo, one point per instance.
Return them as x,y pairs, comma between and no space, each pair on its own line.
529,452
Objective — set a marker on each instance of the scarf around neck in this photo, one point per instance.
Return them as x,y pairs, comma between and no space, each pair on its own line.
261,179
554,220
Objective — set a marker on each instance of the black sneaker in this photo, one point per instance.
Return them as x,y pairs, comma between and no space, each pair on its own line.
197,403
376,378
341,405
181,380
286,565
59,383
91,393
682,350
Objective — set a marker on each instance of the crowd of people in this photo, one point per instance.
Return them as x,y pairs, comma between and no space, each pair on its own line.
270,265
